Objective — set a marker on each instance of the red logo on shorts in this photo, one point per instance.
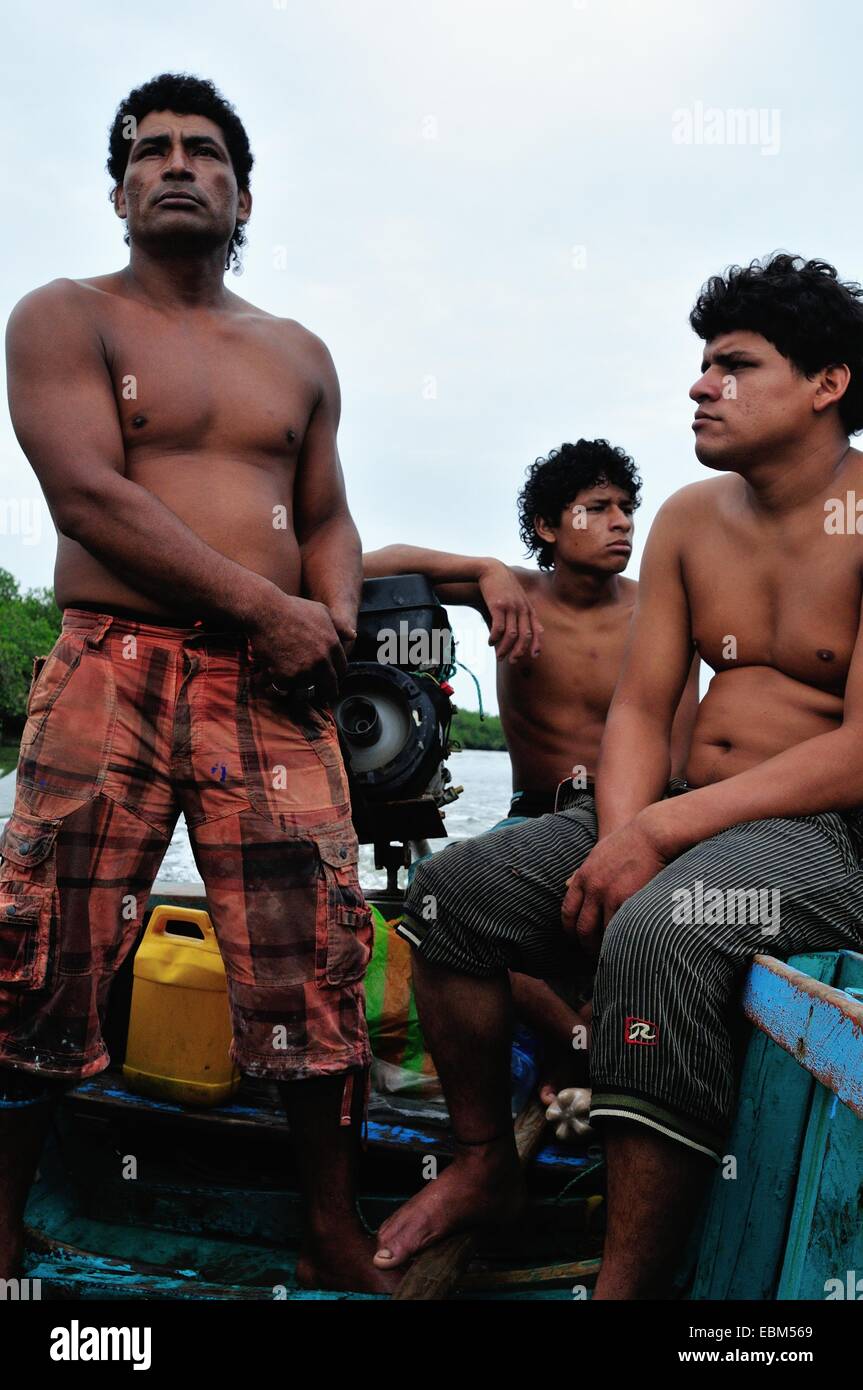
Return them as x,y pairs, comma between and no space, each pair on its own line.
641,1030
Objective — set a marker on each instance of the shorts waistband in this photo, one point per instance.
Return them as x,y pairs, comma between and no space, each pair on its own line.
108,617
531,804
570,793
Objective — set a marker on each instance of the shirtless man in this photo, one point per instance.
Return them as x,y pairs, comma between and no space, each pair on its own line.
559,633
759,568
209,570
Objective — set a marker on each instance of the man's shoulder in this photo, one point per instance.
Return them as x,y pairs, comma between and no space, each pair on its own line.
63,296
289,331
292,339
536,583
62,291
696,501
529,579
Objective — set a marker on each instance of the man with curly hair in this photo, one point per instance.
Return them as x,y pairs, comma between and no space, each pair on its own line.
558,630
559,633
208,570
761,568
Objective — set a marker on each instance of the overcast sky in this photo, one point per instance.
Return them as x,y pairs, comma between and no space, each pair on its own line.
496,214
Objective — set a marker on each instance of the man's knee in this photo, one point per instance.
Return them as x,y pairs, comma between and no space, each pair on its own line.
424,870
636,920
641,931
421,900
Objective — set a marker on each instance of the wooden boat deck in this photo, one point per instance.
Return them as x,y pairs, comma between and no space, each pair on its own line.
213,1211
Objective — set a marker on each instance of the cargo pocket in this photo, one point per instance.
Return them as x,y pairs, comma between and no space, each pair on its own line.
51,675
344,922
25,935
27,900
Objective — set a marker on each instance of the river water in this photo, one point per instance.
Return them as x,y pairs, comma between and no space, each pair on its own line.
486,779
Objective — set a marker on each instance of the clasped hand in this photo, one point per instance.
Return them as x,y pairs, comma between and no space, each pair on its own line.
616,867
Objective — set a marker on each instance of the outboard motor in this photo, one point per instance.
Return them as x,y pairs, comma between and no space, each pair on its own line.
393,712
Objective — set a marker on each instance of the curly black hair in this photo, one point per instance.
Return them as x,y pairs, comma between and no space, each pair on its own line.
553,483
187,96
802,307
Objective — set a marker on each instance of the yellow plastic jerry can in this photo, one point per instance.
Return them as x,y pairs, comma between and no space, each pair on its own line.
180,1026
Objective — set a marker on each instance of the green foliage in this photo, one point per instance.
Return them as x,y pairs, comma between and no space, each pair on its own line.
29,626
470,731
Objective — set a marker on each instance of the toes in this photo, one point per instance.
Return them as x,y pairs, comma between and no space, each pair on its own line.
392,1255
391,1250
385,1227
399,1241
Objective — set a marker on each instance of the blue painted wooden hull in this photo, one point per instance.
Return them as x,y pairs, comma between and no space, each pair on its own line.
213,1213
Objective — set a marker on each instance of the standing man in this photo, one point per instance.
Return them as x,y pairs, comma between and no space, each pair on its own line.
208,570
761,570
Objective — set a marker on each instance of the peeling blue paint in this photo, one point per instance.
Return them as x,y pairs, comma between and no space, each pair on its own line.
820,1026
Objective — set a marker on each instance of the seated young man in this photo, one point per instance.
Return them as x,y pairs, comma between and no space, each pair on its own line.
559,632
758,568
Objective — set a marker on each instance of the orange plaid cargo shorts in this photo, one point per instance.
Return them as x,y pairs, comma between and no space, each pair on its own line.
128,724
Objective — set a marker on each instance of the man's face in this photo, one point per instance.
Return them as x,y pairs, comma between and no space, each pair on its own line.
751,401
179,188
595,529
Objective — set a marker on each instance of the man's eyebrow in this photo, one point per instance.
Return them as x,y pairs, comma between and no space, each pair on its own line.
201,140
164,140
728,358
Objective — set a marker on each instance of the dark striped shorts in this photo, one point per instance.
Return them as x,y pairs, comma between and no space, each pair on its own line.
130,723
665,1019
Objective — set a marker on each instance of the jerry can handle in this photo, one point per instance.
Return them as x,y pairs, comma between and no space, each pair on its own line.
164,913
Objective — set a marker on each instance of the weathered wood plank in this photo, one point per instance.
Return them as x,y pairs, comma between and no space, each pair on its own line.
820,1026
106,1093
529,1277
747,1215
824,1252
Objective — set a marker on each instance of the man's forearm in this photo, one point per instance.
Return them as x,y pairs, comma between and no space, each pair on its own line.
132,532
333,567
821,774
439,566
634,765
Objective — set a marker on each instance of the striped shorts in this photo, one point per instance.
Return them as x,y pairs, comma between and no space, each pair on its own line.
665,1044
129,724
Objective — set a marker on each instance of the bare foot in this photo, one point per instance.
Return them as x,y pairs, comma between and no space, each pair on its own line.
342,1259
483,1186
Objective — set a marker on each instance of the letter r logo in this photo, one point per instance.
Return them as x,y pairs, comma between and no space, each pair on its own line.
642,1031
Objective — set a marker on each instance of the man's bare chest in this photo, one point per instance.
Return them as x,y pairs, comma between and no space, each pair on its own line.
577,668
219,389
796,611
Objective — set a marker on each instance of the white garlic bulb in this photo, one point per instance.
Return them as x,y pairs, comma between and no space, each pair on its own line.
570,1108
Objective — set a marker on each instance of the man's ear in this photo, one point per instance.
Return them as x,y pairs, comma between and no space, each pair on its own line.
118,198
832,386
244,205
543,530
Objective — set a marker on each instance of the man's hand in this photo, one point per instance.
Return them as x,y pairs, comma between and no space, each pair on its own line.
298,641
346,626
615,869
515,627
